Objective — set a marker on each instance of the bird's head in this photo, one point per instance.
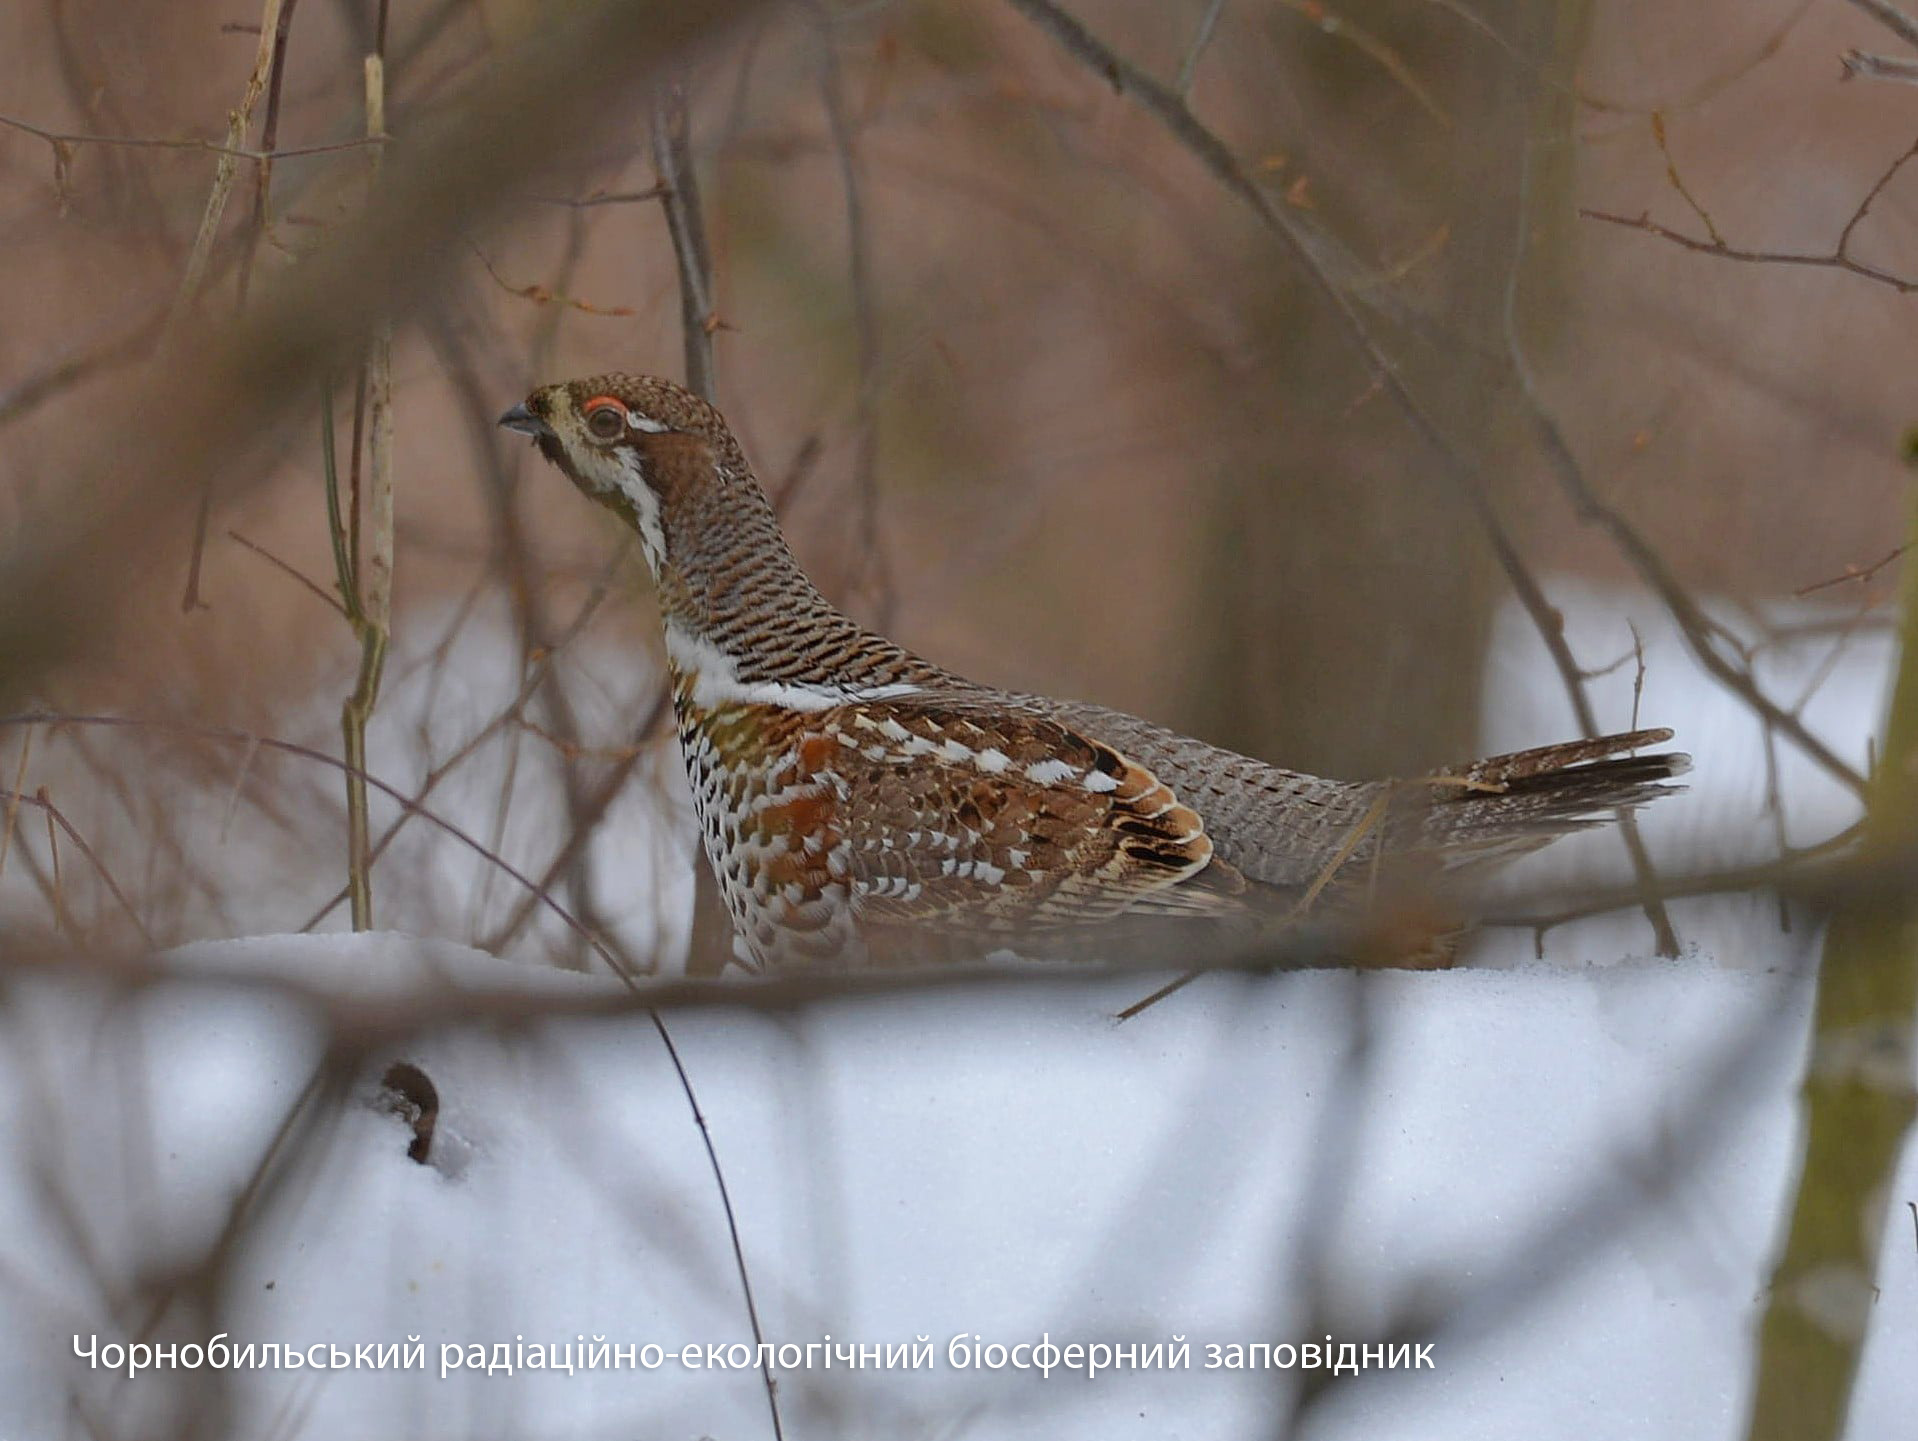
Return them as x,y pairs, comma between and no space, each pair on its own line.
636,443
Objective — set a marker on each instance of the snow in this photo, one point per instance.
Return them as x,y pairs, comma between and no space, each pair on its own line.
1575,1169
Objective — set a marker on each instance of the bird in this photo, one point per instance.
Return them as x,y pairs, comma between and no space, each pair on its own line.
862,806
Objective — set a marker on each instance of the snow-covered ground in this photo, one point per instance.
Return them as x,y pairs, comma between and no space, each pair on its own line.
1572,1172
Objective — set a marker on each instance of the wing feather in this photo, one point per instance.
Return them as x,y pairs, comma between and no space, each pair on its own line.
1000,819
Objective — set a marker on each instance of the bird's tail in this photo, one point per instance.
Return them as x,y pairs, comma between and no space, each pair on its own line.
1509,803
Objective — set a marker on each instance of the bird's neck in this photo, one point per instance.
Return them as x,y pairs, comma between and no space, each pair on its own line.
743,621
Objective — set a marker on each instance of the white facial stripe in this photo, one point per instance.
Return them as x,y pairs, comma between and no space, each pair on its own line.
645,423
616,472
630,483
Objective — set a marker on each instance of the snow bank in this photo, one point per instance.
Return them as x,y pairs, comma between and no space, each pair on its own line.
1582,1168
1573,1172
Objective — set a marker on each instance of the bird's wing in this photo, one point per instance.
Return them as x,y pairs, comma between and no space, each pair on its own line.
1279,828
960,811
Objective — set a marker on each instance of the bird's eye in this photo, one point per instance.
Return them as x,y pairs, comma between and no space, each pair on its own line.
606,422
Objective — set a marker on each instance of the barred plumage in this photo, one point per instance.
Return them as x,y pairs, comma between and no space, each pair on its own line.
860,804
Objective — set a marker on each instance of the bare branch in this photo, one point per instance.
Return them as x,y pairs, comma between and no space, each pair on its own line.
41,801
1201,38
870,557
1892,18
332,601
1854,573
1677,181
545,295
1839,258
1859,63
273,53
614,197
269,138
208,147
227,169
685,222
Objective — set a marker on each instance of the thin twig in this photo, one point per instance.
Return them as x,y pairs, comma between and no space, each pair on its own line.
61,920
227,167
1892,18
1871,195
377,575
41,801
13,802
370,602
1794,874
1853,573
240,773
685,223
355,470
871,556
1879,67
269,139
1677,181
332,601
268,66
208,147
614,197
1202,37
732,1220
1835,260
546,295
344,578
354,710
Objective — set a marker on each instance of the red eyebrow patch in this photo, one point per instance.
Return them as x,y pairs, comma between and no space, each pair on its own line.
600,402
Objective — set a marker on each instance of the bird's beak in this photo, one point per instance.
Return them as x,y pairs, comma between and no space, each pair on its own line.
525,422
